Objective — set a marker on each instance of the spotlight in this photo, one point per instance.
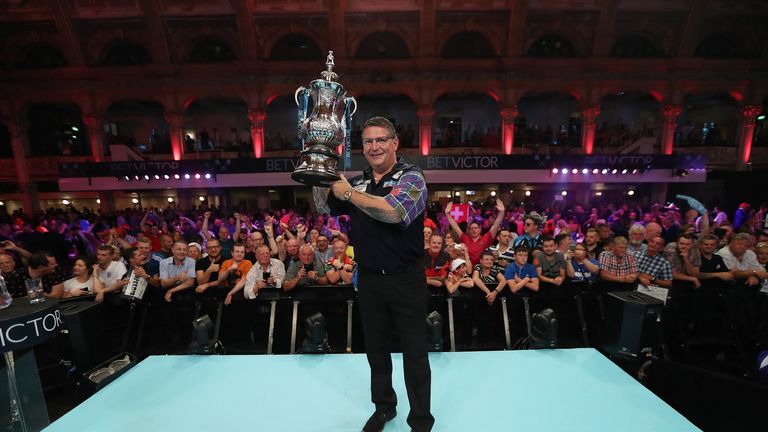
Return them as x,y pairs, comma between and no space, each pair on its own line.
635,171
176,176
316,339
197,176
493,193
166,177
511,191
585,171
135,200
202,198
624,171
127,178
564,170
187,176
564,193
170,199
527,193
135,177
595,171
146,177
614,171
555,170
65,202
157,177
457,194
604,171
574,171
207,176
434,332
2,203
98,201
202,330
631,192
598,193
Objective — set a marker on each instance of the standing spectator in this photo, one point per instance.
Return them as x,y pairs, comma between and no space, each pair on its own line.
177,273
652,267
109,271
580,268
520,274
742,261
684,259
477,243
489,277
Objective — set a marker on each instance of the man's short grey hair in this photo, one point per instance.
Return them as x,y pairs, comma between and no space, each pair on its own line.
742,236
619,240
307,246
636,228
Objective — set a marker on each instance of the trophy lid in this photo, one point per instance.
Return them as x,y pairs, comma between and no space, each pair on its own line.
329,74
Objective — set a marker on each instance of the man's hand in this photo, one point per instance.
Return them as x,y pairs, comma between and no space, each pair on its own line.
340,187
99,297
207,214
168,296
726,276
260,284
228,299
139,271
233,267
214,267
491,297
696,283
499,205
201,288
559,280
644,280
753,281
448,208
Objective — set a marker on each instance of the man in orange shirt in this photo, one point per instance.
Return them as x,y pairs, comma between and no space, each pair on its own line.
232,270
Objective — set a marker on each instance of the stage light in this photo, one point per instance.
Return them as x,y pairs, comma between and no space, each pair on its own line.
2,203
127,178
630,192
98,201
493,193
527,193
595,171
187,176
75,128
202,329
207,176
166,177
604,171
450,194
316,339
202,198
585,171
146,177
65,202
634,171
614,171
574,171
135,177
624,171
564,193
457,194
197,176
761,117
555,170
511,191
564,170
157,177
544,327
176,176
170,199
598,193
135,200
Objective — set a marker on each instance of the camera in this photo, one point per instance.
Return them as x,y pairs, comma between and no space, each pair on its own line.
308,267
265,276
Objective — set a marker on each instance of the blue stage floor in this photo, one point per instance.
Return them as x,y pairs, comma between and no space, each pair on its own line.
558,390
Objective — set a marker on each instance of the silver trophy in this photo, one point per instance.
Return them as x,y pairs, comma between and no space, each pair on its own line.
328,126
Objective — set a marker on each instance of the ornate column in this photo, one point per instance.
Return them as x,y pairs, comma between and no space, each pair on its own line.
94,125
589,115
670,113
508,116
425,115
257,116
175,121
746,133
27,187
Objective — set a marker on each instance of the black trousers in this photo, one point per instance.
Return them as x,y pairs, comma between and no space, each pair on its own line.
398,300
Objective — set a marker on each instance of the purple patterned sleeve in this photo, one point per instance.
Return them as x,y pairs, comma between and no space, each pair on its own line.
409,196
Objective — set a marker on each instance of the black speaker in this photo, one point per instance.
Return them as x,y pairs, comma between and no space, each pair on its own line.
632,324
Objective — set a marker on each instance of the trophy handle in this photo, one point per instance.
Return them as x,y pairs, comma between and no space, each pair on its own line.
351,99
296,95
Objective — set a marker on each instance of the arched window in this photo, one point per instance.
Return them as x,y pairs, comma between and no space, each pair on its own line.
210,51
551,46
296,47
468,44
382,44
41,56
124,53
718,46
635,47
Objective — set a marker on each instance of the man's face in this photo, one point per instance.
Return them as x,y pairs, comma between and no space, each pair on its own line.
291,247
322,243
339,248
238,253
51,267
7,264
548,247
620,249
435,244
530,227
738,247
604,232
103,257
591,238
565,244
708,246
474,230
486,261
145,248
180,251
136,258
257,238
223,232
521,257
193,253
306,256
684,244
166,242
636,237
655,245
214,248
380,155
262,256
503,238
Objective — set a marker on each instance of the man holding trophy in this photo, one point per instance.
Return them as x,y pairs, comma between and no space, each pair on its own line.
386,204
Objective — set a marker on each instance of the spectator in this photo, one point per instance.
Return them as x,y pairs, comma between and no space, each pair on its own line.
712,265
592,241
233,270
652,267
520,274
436,262
550,264
488,277
267,271
742,261
83,281
503,251
458,276
177,273
531,238
684,259
475,241
617,265
340,266
308,270
207,269
109,271
636,236
580,268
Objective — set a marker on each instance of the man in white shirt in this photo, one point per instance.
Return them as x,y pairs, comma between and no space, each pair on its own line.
742,261
273,268
108,271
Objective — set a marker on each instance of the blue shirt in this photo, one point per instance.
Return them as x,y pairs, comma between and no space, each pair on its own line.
581,273
168,269
521,272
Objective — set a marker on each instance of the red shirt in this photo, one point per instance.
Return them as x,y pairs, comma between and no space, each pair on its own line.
475,248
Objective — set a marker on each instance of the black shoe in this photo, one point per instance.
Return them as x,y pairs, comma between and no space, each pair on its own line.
377,421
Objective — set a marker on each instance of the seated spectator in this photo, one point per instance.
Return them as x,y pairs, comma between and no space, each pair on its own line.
177,273
580,268
308,270
489,277
742,261
531,238
151,266
712,265
458,276
322,250
83,282
267,271
194,251
207,268
233,270
10,273
592,241
617,265
684,259
652,267
135,259
436,262
42,265
550,264
109,271
340,266
520,274
563,243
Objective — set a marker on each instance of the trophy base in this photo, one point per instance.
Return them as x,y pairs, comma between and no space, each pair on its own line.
315,178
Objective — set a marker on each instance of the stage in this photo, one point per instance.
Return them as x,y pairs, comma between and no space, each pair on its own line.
545,390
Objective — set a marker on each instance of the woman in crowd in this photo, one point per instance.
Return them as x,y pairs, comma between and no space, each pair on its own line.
83,281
